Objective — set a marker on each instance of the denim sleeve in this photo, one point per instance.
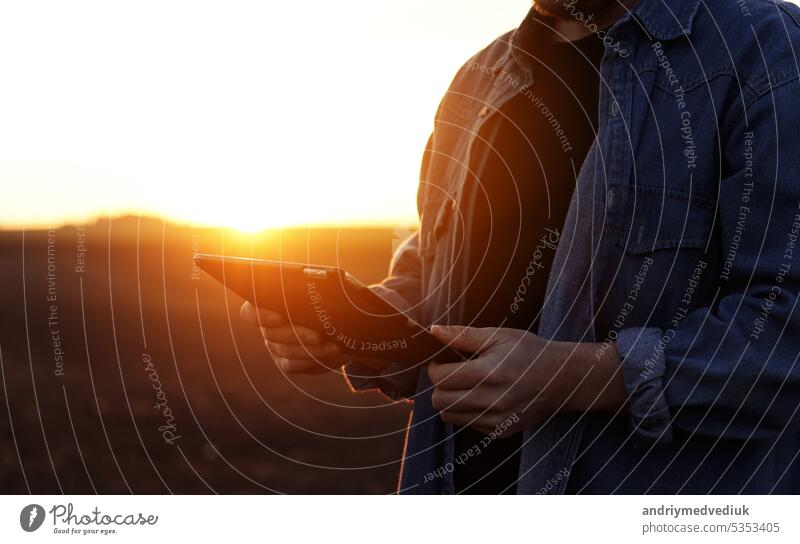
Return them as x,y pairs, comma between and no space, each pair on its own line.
730,370
402,289
643,367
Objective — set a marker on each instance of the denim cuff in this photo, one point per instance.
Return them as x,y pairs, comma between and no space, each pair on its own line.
393,381
643,366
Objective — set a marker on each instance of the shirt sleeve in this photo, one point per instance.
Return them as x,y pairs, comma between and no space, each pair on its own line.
402,289
730,370
643,369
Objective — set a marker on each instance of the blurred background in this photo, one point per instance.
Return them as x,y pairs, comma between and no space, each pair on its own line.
134,134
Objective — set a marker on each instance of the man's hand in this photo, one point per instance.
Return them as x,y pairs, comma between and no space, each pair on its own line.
520,377
296,350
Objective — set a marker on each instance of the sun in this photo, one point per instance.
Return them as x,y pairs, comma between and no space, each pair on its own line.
246,225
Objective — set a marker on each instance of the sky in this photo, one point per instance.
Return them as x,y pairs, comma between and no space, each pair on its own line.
238,114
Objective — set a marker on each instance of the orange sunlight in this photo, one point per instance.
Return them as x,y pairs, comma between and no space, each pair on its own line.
245,115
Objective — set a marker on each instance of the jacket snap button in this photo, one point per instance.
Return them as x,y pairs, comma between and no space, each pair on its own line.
610,199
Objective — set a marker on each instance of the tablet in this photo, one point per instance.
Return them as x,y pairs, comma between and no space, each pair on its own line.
333,303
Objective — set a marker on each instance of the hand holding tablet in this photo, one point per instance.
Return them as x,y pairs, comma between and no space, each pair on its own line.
323,316
296,349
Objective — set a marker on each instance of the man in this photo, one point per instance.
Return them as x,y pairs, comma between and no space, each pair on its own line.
610,205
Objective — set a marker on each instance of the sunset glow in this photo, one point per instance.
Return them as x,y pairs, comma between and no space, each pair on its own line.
242,114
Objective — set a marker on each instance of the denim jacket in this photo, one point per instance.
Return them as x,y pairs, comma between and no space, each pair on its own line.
679,251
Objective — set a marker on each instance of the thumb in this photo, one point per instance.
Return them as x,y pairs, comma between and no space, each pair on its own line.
467,339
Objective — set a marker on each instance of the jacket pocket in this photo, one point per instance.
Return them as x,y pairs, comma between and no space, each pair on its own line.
660,218
664,264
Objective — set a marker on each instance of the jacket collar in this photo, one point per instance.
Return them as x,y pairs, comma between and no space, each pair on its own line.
666,19
661,19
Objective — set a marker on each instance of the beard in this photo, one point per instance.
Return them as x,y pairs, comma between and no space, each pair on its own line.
564,9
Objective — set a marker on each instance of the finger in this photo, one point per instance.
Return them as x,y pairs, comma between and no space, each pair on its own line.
260,316
297,351
483,429
473,400
289,334
458,375
465,419
498,433
468,339
247,313
306,366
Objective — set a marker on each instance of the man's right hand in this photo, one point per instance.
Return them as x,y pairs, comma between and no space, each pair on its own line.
296,350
